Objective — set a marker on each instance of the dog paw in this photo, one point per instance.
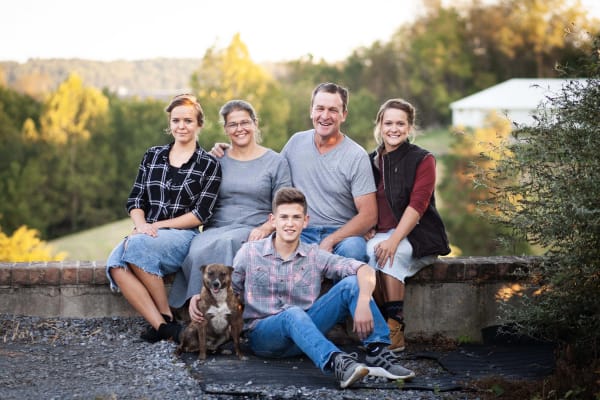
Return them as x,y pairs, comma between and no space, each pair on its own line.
226,352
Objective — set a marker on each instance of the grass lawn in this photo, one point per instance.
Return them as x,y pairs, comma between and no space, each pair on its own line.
437,141
93,244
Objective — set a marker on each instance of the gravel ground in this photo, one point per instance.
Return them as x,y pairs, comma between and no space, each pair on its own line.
103,358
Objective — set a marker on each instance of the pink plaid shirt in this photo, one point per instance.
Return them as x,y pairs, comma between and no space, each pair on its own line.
267,284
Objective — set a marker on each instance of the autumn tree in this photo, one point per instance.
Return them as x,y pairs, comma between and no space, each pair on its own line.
230,73
464,219
77,159
527,38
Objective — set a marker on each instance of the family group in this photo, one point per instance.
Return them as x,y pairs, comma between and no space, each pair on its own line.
322,208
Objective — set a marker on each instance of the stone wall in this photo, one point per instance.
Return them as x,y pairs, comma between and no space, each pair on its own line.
455,297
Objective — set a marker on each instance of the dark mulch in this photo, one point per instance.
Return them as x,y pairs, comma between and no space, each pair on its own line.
440,369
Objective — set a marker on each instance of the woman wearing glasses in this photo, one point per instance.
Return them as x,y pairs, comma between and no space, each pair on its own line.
173,194
251,175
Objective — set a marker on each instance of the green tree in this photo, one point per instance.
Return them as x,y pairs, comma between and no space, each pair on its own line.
556,205
21,173
362,109
438,64
134,126
450,52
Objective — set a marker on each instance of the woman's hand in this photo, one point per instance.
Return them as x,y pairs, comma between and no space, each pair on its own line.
385,251
370,234
218,150
148,229
258,233
195,314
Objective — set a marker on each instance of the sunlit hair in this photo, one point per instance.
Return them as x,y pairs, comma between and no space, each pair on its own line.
240,105
186,99
289,195
398,104
333,88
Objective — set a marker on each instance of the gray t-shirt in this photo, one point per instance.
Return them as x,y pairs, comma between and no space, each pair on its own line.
247,188
329,181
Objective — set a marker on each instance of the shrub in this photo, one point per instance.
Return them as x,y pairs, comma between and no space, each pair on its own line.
25,246
556,205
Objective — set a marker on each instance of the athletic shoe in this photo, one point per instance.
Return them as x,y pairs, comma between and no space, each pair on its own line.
348,370
390,362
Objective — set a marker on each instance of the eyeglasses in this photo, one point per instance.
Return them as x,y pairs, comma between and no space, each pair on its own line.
233,126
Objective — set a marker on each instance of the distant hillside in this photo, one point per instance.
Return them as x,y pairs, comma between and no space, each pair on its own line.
157,78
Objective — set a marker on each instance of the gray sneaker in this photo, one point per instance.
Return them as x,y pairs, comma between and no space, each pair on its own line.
347,370
390,362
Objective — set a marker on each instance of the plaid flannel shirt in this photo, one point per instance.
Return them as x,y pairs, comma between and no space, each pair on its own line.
267,284
163,195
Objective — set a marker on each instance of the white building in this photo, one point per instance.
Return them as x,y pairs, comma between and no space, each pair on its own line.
515,99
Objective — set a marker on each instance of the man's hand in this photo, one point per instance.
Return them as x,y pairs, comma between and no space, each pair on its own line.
195,314
328,243
370,234
363,319
218,150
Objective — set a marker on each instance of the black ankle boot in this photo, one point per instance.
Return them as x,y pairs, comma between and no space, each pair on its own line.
170,331
150,334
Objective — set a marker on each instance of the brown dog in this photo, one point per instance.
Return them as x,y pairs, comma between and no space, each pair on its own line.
222,312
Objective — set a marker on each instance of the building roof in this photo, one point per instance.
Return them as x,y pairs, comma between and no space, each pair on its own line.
515,94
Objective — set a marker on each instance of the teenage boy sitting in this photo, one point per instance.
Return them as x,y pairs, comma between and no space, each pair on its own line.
279,280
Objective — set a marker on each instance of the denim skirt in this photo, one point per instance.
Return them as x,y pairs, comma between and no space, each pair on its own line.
160,255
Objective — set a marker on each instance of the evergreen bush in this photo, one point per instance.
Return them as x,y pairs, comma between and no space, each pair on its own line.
555,204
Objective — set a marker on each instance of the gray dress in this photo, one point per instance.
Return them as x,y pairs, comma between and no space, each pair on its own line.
244,203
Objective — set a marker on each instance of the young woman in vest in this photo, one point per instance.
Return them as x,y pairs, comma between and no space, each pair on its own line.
410,233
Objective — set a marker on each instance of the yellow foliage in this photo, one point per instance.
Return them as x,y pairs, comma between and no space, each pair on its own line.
481,141
29,131
455,251
69,112
25,246
230,74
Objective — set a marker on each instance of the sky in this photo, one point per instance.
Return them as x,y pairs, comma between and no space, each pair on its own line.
273,30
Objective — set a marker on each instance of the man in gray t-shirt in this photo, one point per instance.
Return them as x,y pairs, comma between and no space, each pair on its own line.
334,173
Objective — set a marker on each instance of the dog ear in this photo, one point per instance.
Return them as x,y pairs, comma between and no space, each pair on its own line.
201,268
230,268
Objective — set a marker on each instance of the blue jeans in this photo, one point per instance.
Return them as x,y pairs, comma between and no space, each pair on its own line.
295,331
351,247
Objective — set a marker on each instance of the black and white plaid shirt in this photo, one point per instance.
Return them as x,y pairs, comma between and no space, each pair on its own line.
166,192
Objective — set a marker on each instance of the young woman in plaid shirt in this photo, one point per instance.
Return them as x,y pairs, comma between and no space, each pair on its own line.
174,193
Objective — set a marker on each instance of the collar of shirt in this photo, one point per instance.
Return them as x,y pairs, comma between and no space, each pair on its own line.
269,249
